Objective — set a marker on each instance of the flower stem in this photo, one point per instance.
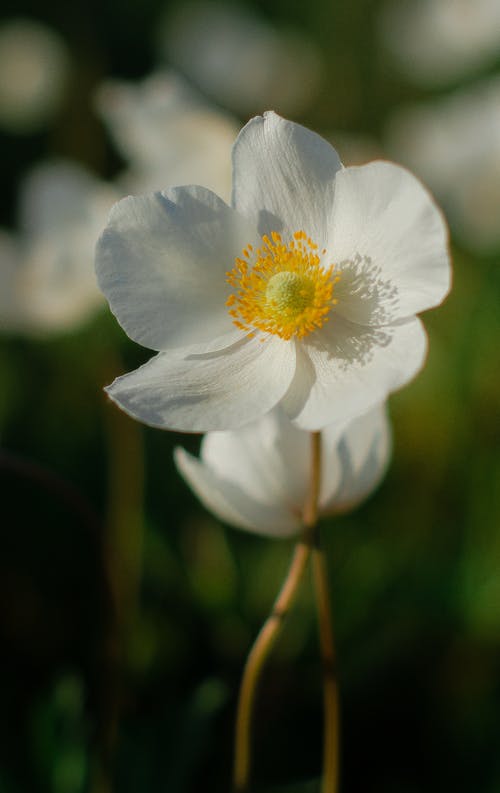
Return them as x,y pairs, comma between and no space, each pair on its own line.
256,659
325,623
310,514
272,626
330,687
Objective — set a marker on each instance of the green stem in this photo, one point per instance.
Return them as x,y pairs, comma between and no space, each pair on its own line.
325,624
256,660
272,627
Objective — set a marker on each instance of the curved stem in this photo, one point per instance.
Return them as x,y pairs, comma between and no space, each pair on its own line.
256,659
272,626
330,687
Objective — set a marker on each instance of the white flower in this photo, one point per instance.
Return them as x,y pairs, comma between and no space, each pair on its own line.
51,278
34,65
437,41
257,478
167,134
453,143
302,293
240,60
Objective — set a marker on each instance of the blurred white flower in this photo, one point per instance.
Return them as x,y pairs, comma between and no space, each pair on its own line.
50,264
34,66
240,60
453,144
257,478
437,41
167,134
303,293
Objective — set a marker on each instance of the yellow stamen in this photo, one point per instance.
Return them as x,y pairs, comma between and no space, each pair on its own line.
285,290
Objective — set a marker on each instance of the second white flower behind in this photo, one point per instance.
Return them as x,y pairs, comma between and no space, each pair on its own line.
257,478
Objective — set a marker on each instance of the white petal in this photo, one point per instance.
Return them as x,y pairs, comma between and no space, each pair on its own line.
216,391
344,369
355,463
162,264
268,458
284,176
387,225
232,503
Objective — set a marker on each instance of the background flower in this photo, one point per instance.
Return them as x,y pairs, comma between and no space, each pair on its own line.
257,478
239,59
438,41
34,72
52,283
453,143
168,134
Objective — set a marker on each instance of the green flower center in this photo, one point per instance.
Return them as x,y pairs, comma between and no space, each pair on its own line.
289,294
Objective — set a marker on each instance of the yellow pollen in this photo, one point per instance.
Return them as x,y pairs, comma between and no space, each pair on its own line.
281,288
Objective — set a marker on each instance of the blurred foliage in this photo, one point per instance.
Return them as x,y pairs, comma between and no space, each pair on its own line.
126,611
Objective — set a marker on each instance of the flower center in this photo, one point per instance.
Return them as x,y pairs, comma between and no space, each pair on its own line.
281,288
289,293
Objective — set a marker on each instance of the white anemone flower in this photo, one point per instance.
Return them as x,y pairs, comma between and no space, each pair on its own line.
167,134
257,478
301,293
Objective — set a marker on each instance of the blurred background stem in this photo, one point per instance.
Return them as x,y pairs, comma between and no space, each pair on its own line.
123,552
124,538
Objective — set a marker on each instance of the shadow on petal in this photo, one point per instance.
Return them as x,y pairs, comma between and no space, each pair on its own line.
363,295
356,347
